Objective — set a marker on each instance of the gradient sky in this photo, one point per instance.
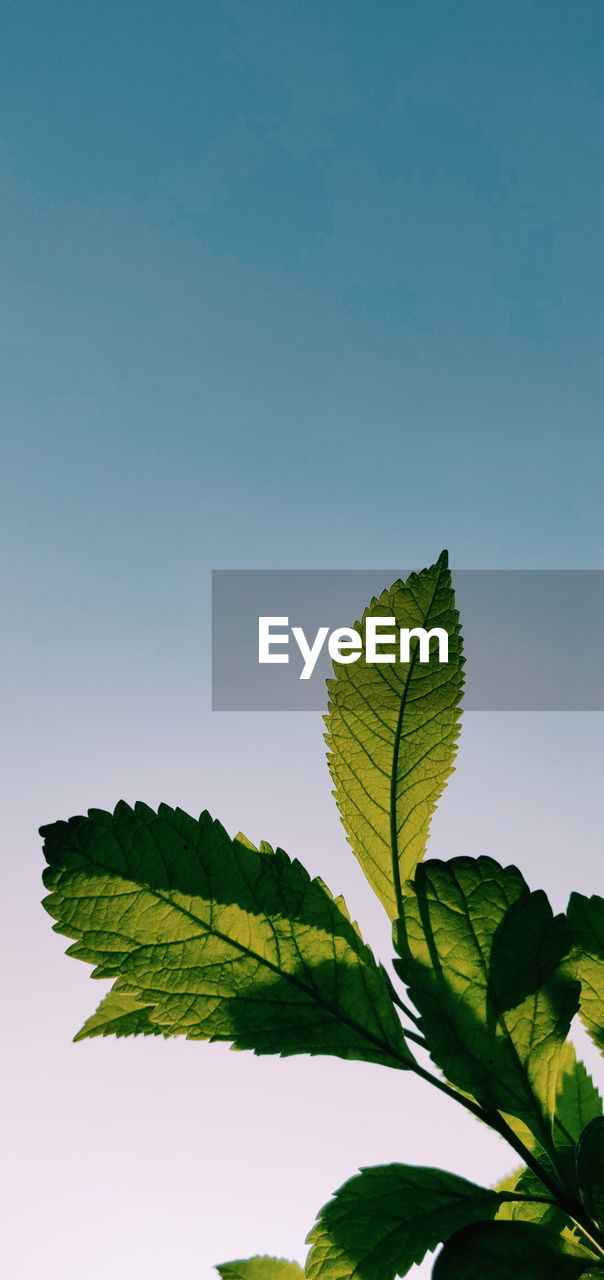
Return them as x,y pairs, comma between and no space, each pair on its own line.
283,285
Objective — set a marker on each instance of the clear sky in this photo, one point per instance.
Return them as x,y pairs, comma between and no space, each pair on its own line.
283,284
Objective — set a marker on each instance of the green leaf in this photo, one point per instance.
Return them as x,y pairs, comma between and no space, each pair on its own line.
525,1183
386,1218
577,1102
120,1014
260,1269
586,922
590,1168
507,1251
577,1098
466,921
225,942
528,946
391,735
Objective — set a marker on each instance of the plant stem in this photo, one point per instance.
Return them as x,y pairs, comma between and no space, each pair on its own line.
410,1035
504,1130
575,1210
450,1092
569,1206
509,1196
496,1122
397,999
512,1196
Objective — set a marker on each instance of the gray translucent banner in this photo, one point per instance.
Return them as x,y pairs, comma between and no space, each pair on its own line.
533,639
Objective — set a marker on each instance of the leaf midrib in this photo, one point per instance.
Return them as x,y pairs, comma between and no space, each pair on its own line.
394,798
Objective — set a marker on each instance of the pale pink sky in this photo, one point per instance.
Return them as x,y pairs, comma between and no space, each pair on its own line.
139,1157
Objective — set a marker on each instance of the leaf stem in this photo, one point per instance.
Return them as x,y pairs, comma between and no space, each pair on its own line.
410,1035
495,1121
468,1103
509,1196
569,1206
505,1130
590,1240
397,1000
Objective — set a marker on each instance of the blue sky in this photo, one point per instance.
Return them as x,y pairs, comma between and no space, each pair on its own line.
303,283
283,284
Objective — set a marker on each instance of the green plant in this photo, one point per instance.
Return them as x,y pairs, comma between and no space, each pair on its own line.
208,937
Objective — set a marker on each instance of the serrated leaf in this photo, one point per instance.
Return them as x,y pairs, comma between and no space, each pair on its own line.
225,942
577,1102
387,1218
586,922
453,942
507,1251
260,1269
120,1014
590,1169
391,735
577,1098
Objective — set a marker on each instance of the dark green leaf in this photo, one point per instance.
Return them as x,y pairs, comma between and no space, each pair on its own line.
225,942
391,735
586,922
453,944
590,1169
509,1251
386,1218
260,1269
528,947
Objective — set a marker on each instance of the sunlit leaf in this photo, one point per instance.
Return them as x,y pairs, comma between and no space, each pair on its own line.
120,1014
260,1269
577,1098
577,1103
219,940
391,735
586,922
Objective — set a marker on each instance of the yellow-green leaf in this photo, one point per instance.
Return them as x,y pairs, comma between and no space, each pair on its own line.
392,732
260,1269
120,1014
586,922
218,940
